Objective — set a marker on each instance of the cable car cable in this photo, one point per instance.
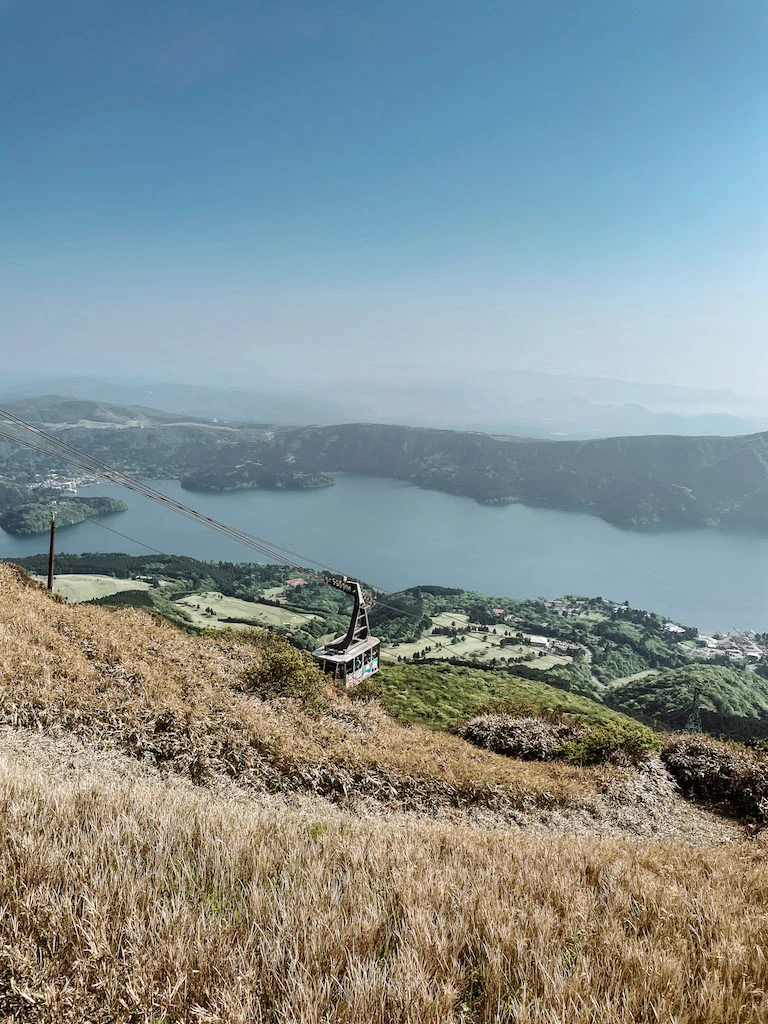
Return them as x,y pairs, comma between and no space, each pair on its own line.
54,447
118,476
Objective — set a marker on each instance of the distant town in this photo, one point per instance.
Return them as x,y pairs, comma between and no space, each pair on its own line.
738,645
65,484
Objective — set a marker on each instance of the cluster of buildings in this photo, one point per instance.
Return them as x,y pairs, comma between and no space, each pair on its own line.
66,485
738,645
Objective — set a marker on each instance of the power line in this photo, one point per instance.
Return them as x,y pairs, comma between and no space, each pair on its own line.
75,457
56,448
125,536
307,616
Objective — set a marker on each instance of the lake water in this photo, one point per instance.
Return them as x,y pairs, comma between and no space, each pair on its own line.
395,535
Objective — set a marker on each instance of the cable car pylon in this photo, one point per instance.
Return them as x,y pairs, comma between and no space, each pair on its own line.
355,656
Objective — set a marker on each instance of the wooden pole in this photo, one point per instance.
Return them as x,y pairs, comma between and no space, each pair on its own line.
52,552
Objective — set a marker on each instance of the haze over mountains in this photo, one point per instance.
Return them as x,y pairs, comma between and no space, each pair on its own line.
523,403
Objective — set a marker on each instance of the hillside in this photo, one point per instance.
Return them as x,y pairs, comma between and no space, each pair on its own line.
632,481
186,822
245,706
714,699
447,650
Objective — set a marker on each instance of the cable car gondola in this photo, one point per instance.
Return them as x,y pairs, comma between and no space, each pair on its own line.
351,658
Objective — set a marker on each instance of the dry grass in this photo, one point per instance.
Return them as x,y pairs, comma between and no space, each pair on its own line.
141,898
128,679
143,903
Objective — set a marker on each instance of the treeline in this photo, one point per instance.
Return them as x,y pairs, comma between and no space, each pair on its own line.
35,516
235,579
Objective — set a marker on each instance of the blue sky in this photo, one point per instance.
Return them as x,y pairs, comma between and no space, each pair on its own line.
229,191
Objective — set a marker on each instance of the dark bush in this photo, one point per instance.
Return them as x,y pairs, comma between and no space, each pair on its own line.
527,737
719,772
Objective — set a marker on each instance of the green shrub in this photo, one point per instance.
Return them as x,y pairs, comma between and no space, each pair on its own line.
615,742
282,671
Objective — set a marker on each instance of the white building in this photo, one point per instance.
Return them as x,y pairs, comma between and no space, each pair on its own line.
538,641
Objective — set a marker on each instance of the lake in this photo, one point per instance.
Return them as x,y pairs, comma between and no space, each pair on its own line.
395,535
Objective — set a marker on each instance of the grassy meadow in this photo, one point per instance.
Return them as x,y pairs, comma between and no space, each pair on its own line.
141,903
76,588
444,695
235,608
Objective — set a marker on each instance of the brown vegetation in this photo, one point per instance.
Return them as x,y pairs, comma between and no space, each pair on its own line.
145,903
719,772
142,898
194,705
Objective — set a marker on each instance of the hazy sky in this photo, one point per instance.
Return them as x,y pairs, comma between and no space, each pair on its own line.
219,190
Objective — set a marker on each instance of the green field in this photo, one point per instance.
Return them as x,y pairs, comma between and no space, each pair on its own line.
77,588
442,695
473,644
236,608
635,677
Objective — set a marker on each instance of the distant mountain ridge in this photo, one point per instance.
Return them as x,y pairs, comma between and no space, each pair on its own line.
651,481
516,402
630,481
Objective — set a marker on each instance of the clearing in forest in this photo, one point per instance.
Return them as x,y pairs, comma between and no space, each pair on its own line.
224,608
76,588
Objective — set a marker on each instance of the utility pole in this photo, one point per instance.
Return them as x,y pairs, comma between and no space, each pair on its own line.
52,552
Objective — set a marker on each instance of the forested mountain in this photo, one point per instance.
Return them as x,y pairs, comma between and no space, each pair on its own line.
24,511
632,481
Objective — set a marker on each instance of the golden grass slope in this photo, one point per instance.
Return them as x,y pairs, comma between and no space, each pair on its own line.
273,893
134,901
132,680
129,680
